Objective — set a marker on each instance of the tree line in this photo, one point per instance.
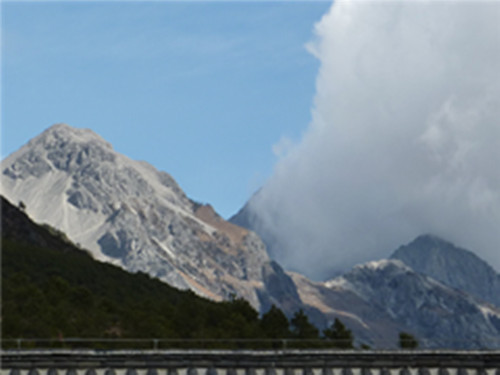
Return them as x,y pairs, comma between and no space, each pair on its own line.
52,295
58,291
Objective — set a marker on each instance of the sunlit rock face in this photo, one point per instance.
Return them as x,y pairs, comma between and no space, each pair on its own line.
129,214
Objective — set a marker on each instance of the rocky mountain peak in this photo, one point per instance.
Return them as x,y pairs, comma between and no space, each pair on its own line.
60,134
451,265
59,148
130,214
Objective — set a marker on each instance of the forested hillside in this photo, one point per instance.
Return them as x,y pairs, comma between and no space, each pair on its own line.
52,289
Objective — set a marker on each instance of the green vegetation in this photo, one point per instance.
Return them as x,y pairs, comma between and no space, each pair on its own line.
341,336
407,341
302,328
58,234
275,324
53,291
50,294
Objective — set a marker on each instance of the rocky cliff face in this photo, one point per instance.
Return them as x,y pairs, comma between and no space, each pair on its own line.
439,315
453,266
129,214
370,324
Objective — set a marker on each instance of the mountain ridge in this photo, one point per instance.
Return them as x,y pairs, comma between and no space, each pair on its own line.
456,267
129,214
441,316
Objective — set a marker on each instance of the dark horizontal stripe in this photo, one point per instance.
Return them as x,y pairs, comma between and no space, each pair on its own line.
243,359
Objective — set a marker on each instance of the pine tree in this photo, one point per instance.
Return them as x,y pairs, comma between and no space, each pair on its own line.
274,324
302,328
341,336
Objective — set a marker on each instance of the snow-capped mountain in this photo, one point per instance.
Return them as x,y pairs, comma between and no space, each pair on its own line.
439,315
129,214
453,266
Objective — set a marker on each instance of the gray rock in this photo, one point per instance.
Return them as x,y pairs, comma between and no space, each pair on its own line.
453,266
128,213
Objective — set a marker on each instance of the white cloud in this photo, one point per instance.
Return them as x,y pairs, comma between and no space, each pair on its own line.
405,137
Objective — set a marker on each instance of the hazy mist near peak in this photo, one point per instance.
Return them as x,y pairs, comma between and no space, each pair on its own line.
404,137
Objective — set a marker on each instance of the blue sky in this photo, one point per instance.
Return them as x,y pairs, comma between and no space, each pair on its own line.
201,90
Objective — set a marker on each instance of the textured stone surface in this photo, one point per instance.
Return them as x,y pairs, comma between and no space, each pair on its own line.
128,213
453,266
445,317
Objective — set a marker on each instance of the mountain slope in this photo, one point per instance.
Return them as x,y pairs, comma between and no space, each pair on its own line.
370,324
247,218
129,214
51,289
440,316
453,266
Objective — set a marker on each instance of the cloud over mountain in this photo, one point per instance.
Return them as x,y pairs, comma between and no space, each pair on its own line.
404,137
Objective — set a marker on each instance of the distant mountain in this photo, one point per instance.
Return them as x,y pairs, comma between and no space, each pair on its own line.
370,324
247,218
453,266
441,317
129,214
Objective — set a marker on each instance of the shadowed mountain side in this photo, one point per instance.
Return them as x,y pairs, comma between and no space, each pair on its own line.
440,316
248,219
369,323
281,290
451,265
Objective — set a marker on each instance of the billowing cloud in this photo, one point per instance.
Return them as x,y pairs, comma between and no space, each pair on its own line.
404,137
